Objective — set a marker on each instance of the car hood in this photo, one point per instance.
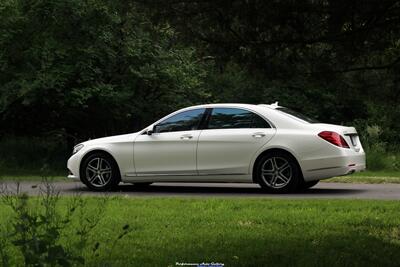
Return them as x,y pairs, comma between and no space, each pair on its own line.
112,139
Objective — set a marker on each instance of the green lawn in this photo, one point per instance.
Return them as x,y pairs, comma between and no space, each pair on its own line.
369,177
246,232
19,177
7,174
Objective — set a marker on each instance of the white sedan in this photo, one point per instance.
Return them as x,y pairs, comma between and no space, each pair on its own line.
273,146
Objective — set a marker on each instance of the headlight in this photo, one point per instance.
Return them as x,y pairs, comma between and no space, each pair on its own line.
77,148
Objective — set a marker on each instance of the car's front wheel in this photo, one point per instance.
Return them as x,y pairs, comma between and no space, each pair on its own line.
278,172
100,172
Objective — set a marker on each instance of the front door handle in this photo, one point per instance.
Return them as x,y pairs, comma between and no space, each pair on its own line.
258,135
186,137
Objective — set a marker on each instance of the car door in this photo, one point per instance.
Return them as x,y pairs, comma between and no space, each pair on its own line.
171,148
230,140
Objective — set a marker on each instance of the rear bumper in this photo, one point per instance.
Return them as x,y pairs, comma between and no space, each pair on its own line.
333,166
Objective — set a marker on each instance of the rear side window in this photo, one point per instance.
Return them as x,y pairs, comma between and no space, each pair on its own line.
231,118
297,115
183,121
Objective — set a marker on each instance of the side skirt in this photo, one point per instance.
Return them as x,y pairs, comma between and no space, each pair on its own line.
227,178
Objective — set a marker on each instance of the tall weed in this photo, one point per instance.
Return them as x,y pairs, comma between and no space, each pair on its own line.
40,228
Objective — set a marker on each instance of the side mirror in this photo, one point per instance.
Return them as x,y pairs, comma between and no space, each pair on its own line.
151,131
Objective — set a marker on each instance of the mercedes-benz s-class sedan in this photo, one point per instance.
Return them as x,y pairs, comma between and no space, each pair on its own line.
273,146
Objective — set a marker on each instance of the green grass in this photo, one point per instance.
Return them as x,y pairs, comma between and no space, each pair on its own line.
246,232
369,177
27,177
32,172
377,174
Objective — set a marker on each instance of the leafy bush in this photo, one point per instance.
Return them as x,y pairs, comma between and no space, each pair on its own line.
376,160
378,153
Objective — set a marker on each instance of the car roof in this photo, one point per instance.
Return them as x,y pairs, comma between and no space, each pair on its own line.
268,111
251,106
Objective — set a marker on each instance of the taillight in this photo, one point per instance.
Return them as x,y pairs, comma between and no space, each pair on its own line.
334,138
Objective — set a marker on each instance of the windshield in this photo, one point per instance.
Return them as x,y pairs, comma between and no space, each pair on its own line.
297,115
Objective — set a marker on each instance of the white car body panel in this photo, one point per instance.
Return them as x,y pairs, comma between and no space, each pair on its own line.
229,151
172,153
226,155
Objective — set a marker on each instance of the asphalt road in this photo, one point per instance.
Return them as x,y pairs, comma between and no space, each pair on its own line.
322,190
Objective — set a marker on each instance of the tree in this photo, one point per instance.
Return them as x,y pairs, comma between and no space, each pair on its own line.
337,59
90,68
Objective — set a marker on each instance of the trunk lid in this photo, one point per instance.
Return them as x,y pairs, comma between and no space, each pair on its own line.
349,134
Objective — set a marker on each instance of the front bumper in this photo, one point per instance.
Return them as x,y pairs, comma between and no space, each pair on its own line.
72,176
73,166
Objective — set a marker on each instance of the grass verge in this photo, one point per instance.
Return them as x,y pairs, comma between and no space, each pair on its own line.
38,178
369,177
246,232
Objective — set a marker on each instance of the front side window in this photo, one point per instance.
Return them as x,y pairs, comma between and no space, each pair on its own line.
228,118
184,121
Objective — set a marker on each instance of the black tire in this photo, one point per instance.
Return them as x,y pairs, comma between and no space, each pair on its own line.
274,176
142,184
306,185
105,177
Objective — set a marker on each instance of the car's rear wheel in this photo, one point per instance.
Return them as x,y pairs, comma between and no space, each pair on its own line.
278,172
307,185
100,172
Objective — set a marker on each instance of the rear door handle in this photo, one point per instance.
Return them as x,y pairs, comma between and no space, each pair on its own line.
258,135
186,137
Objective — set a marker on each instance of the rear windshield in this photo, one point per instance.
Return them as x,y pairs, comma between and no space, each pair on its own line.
297,115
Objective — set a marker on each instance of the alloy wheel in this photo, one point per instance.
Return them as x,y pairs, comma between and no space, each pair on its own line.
98,172
276,172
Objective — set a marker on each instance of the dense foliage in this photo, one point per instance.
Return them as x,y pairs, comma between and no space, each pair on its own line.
336,60
87,68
